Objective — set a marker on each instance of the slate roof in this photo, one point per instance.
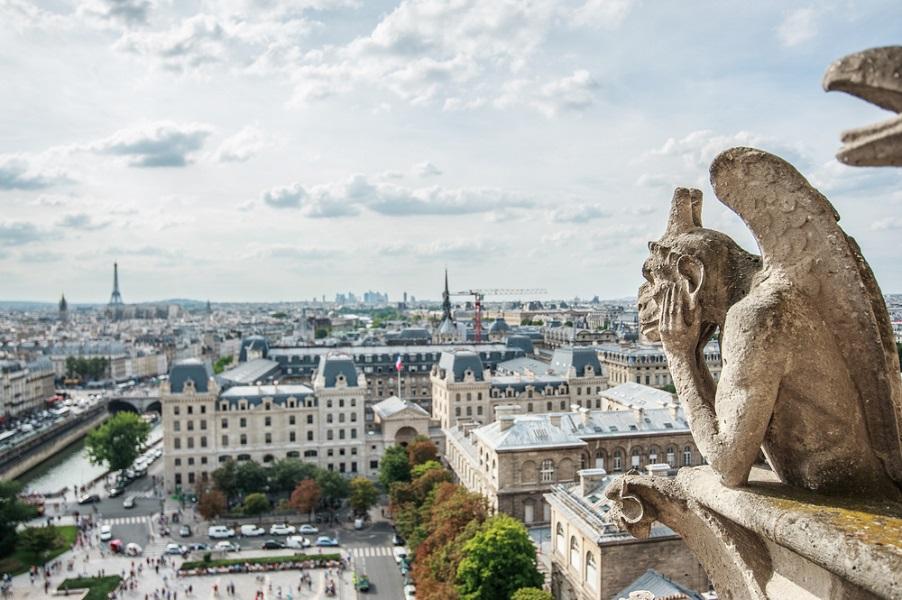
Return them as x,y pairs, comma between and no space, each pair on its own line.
527,431
252,371
254,394
614,423
524,365
660,586
459,361
253,342
193,369
576,357
638,395
333,365
393,405
499,326
522,342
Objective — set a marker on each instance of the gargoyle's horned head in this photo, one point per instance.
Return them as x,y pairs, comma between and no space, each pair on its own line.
875,76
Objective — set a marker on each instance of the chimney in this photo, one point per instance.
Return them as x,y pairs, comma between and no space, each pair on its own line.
506,414
584,416
555,419
638,413
575,408
590,478
659,469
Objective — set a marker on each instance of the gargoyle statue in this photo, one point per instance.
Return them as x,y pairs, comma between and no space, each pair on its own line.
810,371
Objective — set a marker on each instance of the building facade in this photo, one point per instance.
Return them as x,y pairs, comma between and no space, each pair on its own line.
647,363
593,559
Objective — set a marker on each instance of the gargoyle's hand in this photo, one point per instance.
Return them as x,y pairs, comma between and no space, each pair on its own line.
680,321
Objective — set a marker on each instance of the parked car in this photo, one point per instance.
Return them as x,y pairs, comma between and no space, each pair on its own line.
272,545
132,549
106,533
410,592
199,547
397,540
226,546
220,531
174,549
116,491
185,531
282,529
297,542
251,530
358,523
361,582
400,553
129,502
307,528
325,540
89,499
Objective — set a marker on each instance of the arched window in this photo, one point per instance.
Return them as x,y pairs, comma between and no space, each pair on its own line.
547,470
653,455
671,456
559,540
599,459
591,570
636,458
574,552
618,460
529,511
687,456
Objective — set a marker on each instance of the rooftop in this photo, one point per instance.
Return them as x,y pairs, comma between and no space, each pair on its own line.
526,432
638,395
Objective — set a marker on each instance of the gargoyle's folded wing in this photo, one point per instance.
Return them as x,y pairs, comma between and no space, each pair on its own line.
798,233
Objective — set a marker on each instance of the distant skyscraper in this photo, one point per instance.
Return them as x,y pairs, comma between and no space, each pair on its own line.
116,297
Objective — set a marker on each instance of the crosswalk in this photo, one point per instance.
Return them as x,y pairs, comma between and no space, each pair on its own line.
136,520
371,551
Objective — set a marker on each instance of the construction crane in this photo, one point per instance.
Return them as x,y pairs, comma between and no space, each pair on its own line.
480,294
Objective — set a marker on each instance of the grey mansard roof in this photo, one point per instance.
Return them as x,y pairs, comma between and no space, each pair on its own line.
193,369
638,395
660,586
527,431
459,362
254,394
522,342
259,369
393,405
253,342
616,423
577,357
334,365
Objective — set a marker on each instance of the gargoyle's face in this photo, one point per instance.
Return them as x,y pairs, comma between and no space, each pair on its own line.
659,277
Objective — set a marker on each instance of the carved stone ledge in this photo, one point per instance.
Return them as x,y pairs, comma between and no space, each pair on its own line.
770,541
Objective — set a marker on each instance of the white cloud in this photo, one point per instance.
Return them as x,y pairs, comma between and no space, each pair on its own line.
41,256
82,221
887,223
798,26
126,12
240,147
578,213
162,144
289,196
427,169
443,249
23,15
602,13
19,233
572,93
28,172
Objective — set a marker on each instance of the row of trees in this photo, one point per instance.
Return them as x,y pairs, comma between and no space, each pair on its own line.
460,550
87,368
249,487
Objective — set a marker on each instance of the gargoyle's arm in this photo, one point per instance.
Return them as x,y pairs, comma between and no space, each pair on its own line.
729,424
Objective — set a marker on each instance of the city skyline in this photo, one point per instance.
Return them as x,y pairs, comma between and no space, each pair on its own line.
253,151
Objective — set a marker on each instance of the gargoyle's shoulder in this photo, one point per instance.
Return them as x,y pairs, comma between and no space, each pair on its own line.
771,303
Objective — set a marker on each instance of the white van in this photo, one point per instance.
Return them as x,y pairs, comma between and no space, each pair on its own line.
220,531
251,530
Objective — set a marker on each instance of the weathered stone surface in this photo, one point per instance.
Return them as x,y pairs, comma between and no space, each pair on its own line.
767,540
873,75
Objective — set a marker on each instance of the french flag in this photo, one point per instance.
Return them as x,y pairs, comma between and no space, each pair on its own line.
399,364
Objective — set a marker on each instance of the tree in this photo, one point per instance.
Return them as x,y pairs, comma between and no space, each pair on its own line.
421,469
669,388
499,560
118,441
226,479
39,541
395,466
250,477
531,593
305,497
364,495
421,450
333,488
285,474
12,512
256,504
220,365
211,504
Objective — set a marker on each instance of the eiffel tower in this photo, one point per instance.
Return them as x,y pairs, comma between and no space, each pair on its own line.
116,297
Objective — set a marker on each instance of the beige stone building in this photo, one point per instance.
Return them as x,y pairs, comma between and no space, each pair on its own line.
646,363
323,425
592,559
514,461
24,387
464,390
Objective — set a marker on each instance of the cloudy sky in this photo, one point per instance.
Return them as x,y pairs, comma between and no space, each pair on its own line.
266,150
